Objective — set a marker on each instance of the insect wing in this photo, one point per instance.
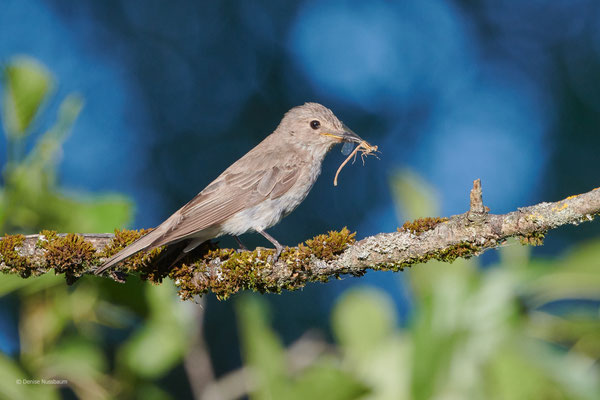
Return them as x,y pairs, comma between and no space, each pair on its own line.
347,148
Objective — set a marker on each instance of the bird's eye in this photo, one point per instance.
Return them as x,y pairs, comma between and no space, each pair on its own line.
315,124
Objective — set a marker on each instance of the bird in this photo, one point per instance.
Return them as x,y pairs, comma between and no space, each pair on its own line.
256,191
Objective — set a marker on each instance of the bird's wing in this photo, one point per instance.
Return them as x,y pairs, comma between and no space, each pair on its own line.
234,190
257,176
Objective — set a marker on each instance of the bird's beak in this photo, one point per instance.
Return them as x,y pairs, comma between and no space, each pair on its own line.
350,136
346,135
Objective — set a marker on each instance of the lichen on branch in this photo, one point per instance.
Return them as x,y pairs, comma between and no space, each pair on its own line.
227,271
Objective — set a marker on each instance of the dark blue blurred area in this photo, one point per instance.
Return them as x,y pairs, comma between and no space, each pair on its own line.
176,91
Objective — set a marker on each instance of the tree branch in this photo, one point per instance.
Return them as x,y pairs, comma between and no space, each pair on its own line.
225,271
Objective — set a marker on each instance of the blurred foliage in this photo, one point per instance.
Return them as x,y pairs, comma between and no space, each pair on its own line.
64,332
267,360
30,197
61,329
522,328
475,333
27,84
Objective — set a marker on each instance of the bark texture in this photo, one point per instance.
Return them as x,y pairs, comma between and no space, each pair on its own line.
226,271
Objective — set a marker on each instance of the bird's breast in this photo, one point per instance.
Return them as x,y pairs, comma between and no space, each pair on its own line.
297,193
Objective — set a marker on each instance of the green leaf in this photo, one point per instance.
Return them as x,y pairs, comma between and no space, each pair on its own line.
10,283
153,350
264,355
48,148
2,209
362,319
549,372
148,391
583,257
12,387
99,213
27,83
575,276
326,381
509,367
413,196
75,359
433,351
160,344
514,255
16,386
262,349
69,212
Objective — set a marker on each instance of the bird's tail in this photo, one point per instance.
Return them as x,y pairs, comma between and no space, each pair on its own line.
146,242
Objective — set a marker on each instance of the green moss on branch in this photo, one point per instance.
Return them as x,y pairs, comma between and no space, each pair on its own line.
420,225
10,257
253,270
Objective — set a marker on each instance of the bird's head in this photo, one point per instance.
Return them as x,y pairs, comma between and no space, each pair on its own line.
312,124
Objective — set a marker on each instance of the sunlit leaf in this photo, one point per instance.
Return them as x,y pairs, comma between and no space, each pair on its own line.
27,83
514,255
68,212
362,319
575,276
159,344
153,350
326,381
509,367
48,147
584,257
413,196
10,283
75,357
262,349
10,372
18,385
432,351
80,363
2,208
576,375
42,282
581,329
100,213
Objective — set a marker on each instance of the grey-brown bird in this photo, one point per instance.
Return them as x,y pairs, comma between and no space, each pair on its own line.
256,191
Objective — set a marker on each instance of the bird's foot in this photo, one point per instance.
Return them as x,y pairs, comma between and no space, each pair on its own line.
278,246
278,250
240,244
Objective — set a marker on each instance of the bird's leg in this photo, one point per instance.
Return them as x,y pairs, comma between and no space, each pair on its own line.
278,246
239,242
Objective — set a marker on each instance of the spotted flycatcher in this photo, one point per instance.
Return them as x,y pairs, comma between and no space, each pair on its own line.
256,191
